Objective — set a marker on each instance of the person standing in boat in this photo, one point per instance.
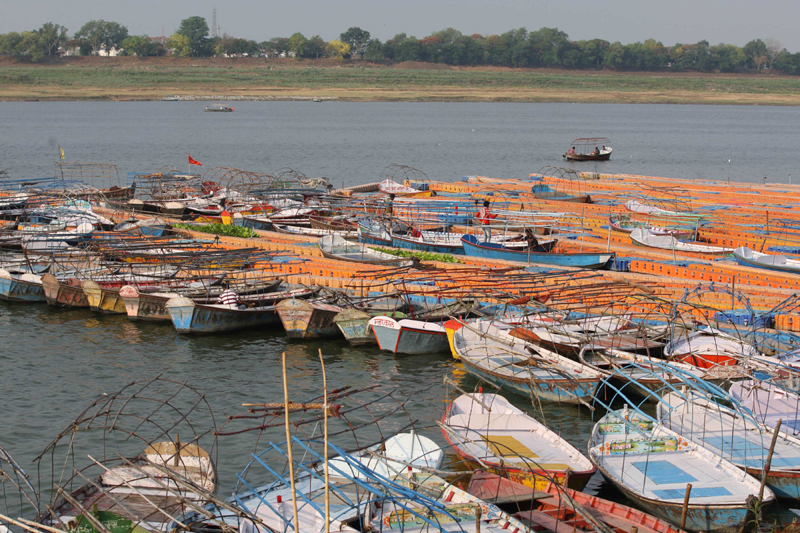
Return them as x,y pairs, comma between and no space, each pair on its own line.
389,208
485,218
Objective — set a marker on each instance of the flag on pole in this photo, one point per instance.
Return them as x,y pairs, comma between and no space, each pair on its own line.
194,161
60,152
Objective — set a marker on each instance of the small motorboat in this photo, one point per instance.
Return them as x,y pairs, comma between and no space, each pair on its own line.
218,108
589,149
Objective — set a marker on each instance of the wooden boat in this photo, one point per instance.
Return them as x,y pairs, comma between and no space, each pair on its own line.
190,317
218,108
373,233
588,149
140,488
474,248
304,319
398,454
734,434
63,295
625,224
408,336
747,257
103,300
709,347
651,465
388,186
335,247
487,430
145,306
332,223
455,510
443,243
493,355
354,324
769,403
557,196
560,509
21,287
313,232
635,206
642,237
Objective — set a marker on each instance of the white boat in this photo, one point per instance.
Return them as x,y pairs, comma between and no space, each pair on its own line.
336,247
388,186
734,434
747,257
495,356
709,347
407,336
397,455
769,403
644,237
652,465
487,430
635,206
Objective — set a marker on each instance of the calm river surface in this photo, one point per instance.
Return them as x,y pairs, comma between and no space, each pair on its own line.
52,363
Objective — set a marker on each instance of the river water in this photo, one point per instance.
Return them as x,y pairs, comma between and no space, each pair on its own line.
53,362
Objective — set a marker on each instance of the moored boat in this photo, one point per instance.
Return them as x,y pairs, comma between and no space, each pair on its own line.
747,257
354,324
487,430
490,250
103,300
335,247
652,465
64,294
643,237
406,336
303,319
21,288
190,317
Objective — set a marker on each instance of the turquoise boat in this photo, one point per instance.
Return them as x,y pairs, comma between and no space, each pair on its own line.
190,317
490,250
24,288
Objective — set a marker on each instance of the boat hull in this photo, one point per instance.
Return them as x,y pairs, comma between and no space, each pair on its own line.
191,318
573,391
411,244
16,290
708,518
303,320
398,339
146,307
63,295
579,260
106,301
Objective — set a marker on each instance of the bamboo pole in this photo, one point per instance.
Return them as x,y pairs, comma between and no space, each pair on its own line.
768,464
325,441
289,441
685,509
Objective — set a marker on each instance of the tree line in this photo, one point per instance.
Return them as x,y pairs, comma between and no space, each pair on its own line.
546,47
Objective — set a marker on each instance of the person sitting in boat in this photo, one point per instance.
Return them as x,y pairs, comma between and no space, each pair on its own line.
229,298
485,217
416,233
596,151
571,151
532,241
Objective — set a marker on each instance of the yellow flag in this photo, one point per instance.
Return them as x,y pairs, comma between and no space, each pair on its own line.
60,152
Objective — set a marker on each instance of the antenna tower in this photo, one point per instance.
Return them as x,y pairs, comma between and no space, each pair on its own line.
214,29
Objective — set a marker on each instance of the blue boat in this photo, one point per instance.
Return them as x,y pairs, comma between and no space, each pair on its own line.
490,250
443,246
190,317
24,288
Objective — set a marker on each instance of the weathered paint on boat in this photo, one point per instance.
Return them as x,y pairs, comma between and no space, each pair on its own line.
25,288
450,328
714,518
102,300
354,325
69,294
422,246
497,251
408,336
189,317
308,320
144,306
553,390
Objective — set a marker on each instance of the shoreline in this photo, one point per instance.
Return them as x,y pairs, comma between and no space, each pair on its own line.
202,79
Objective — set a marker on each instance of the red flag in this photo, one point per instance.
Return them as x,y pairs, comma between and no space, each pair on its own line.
194,161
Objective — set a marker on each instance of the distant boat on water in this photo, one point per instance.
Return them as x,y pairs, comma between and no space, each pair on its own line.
218,108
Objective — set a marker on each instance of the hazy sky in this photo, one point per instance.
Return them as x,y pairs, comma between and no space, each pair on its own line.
684,21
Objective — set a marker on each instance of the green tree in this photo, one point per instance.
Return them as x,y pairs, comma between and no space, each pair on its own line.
196,30
297,44
53,37
728,57
548,45
101,34
316,47
31,44
357,39
756,53
374,50
9,43
337,49
180,45
138,45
